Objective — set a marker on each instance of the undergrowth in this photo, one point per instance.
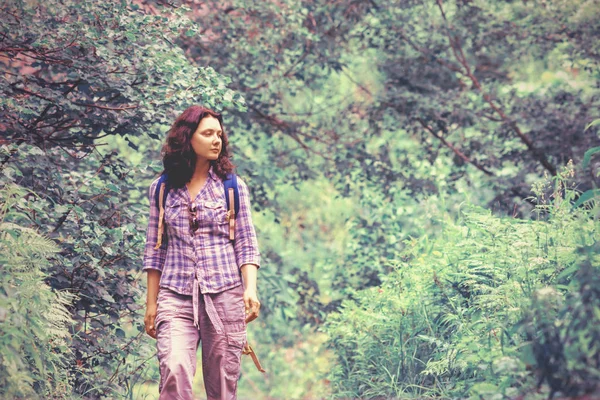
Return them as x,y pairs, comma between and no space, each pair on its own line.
491,307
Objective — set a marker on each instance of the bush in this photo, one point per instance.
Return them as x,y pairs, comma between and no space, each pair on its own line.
467,312
564,329
34,320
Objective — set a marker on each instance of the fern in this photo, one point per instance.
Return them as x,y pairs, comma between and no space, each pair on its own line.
462,317
34,320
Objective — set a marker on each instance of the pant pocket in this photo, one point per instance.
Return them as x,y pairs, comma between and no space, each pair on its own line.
235,345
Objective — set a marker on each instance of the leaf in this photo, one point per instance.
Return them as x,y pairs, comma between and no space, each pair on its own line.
485,388
588,155
595,122
568,272
108,297
133,145
586,196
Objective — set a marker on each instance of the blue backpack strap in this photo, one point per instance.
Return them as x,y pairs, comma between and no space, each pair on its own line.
161,180
232,194
231,182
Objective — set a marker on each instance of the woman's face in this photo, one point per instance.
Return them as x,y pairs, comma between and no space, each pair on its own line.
206,141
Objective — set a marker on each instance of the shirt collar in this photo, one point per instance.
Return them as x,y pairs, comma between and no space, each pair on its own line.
212,174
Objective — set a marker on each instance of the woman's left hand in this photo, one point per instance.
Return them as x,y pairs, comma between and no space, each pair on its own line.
251,304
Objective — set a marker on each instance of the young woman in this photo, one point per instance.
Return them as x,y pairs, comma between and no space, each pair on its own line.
201,284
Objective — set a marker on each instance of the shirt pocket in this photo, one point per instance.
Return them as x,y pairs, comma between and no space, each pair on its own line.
173,212
215,212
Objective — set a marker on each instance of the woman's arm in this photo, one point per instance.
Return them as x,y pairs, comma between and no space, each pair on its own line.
245,244
154,260
251,303
151,297
246,252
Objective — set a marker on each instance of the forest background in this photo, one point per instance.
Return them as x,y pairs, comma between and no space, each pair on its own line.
423,179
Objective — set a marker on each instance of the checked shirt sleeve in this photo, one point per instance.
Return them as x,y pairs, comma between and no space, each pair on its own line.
153,259
245,244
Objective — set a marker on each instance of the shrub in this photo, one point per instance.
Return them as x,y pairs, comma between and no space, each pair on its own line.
34,320
466,313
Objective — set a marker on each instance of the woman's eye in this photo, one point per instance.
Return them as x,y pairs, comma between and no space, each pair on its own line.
209,134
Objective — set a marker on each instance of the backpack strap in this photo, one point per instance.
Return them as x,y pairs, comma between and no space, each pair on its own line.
160,197
232,197
249,350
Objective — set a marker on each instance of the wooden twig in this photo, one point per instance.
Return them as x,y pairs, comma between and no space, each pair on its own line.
454,149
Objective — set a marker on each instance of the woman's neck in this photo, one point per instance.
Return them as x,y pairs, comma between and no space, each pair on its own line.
201,170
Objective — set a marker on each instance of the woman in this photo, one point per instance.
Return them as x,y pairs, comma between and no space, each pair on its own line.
201,284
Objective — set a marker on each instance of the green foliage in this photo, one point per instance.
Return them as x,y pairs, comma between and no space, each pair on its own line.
367,125
500,91
34,319
563,327
463,79
301,247
293,372
463,310
78,74
80,204
77,71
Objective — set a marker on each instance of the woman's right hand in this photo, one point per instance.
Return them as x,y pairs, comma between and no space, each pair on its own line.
149,319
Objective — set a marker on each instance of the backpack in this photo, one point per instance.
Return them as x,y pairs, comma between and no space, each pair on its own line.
232,195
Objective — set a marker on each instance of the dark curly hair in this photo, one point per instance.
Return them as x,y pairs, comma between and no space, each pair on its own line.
179,158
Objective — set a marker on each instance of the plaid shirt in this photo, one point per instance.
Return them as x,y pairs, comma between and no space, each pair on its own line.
207,255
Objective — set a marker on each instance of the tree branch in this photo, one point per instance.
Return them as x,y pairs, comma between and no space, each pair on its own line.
455,150
291,132
105,107
460,57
